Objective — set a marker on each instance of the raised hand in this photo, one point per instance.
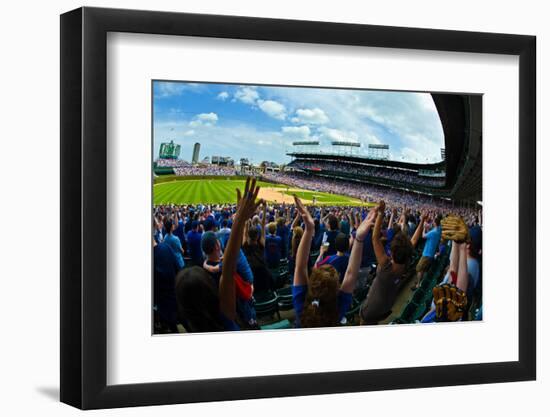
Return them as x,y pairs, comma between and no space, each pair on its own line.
365,226
424,216
306,216
381,208
246,203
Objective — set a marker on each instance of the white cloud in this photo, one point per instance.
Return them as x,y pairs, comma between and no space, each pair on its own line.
247,95
412,155
273,109
167,89
224,95
164,89
189,132
204,119
337,134
310,116
297,132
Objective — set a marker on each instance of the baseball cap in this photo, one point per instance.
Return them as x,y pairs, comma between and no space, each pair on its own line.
208,242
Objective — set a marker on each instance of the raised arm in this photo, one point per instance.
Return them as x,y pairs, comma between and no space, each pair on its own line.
264,218
424,229
403,220
246,206
350,278
322,251
392,217
296,221
379,251
462,278
324,219
302,254
418,231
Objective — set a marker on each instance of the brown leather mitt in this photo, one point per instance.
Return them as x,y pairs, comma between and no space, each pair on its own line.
450,302
454,228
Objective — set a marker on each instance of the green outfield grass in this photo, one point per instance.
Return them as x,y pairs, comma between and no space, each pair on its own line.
221,190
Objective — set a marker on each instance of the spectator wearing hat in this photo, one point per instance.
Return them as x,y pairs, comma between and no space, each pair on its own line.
210,224
194,243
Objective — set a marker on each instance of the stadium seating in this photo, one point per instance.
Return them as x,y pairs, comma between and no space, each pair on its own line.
284,299
266,305
282,324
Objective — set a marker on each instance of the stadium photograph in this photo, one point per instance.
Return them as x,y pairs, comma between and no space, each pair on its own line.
282,207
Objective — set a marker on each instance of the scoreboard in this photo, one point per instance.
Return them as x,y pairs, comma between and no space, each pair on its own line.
169,150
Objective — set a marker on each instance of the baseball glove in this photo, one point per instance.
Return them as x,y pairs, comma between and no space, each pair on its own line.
454,228
450,302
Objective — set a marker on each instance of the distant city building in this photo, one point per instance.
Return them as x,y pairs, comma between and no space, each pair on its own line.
169,150
196,151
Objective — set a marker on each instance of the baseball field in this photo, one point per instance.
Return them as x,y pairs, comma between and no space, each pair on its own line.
180,190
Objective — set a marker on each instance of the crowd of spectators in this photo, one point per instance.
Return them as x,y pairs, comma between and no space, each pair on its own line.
206,169
213,264
405,176
172,163
369,193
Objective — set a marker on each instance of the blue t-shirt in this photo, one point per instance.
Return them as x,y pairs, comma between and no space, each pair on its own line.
174,243
180,232
317,239
432,242
369,257
243,268
299,297
273,250
223,236
340,263
194,246
389,237
473,276
283,232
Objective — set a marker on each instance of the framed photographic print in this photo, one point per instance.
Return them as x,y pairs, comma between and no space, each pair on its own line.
257,208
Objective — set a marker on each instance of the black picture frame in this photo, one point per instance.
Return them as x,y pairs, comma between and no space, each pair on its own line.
84,207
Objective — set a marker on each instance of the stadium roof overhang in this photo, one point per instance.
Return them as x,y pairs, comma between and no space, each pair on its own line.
364,160
462,123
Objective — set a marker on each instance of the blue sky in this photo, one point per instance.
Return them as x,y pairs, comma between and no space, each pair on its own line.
260,123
